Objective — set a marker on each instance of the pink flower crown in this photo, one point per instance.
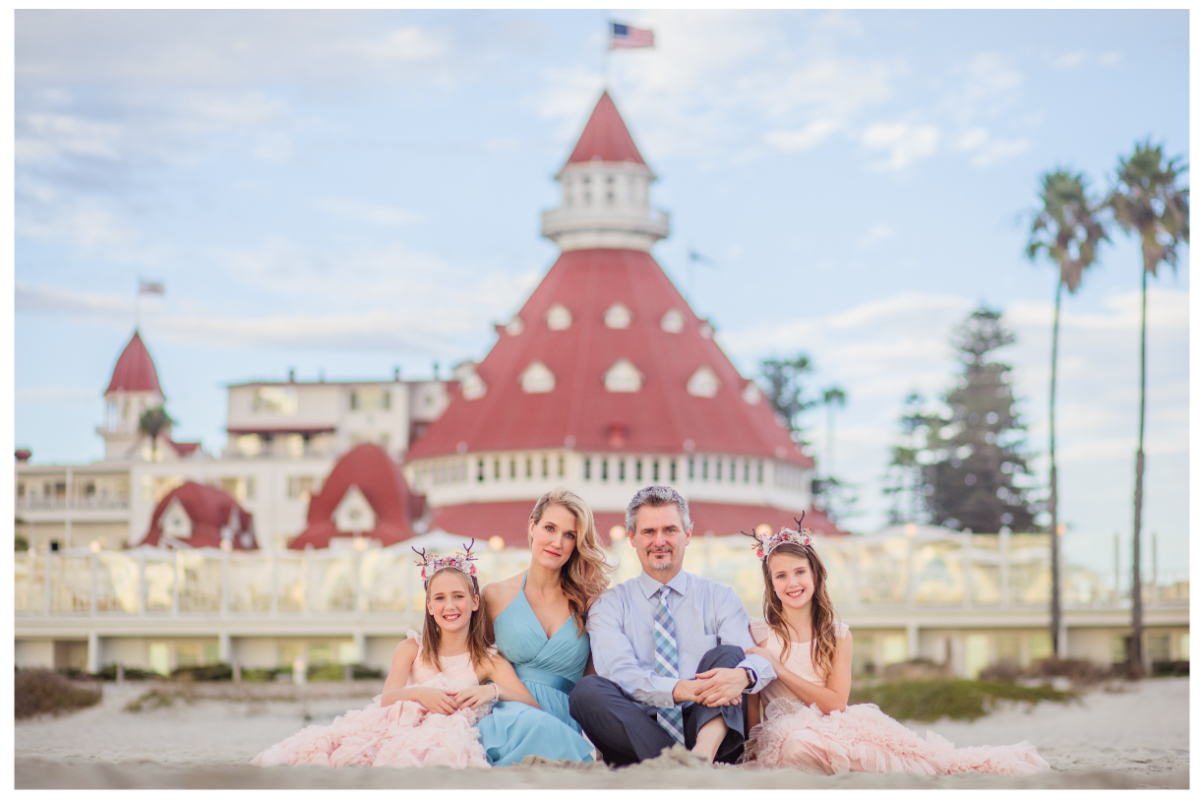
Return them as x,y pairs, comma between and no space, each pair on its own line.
763,547
433,564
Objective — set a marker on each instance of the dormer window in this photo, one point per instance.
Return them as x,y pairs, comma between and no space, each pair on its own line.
537,379
558,317
703,383
623,376
618,316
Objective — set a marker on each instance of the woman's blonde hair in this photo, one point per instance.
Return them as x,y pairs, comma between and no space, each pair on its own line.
585,575
477,644
823,642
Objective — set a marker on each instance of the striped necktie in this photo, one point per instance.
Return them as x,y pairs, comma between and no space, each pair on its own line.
666,661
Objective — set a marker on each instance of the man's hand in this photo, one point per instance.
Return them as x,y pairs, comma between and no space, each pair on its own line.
685,691
722,686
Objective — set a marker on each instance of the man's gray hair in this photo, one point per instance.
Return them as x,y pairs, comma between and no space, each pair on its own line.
655,497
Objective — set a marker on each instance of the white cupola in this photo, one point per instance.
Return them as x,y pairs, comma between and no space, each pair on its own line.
605,191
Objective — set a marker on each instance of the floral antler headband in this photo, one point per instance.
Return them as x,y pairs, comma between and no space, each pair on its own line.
432,564
800,536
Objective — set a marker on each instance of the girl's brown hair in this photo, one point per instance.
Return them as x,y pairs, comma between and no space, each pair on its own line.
823,640
476,639
585,575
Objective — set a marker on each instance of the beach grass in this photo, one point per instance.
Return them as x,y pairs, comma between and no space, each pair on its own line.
930,700
43,691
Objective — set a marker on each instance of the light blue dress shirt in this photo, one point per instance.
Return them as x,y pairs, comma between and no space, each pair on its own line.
706,614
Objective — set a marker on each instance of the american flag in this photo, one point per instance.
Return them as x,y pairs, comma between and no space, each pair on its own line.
625,36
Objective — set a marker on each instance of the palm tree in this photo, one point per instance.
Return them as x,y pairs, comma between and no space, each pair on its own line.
833,396
1148,201
153,423
1068,230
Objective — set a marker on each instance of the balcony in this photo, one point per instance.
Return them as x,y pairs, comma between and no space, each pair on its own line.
62,503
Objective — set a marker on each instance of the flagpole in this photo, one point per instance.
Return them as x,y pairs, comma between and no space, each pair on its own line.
137,304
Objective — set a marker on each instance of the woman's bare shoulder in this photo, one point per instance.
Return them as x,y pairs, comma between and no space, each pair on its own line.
498,594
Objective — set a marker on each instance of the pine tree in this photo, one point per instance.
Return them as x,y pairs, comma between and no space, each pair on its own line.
978,456
784,388
908,469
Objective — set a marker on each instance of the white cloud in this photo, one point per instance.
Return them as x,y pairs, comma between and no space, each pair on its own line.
1079,57
274,146
369,213
988,151
904,142
49,135
50,394
409,43
876,234
805,138
1072,59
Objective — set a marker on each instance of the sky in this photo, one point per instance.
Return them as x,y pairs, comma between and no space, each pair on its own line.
342,193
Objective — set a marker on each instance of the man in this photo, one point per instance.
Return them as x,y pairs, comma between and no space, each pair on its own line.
668,648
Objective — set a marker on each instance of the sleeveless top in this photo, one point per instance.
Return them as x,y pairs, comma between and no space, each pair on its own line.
456,670
799,660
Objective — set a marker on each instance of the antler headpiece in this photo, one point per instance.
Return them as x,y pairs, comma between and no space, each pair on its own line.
433,564
764,545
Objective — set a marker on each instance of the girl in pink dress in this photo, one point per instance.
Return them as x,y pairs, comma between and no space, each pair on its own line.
433,695
801,720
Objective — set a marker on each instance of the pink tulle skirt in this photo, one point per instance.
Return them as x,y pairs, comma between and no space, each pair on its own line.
864,739
402,734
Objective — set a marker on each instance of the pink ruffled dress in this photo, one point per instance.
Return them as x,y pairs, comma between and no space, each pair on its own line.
403,734
862,738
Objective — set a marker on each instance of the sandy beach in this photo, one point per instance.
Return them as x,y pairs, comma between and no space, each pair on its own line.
1133,738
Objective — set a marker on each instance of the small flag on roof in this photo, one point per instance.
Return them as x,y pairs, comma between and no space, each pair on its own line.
627,36
151,287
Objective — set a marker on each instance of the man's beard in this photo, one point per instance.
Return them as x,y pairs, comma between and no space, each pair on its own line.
655,565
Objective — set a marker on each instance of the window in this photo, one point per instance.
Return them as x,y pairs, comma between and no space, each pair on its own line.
562,466
545,467
672,462
496,469
354,401
300,486
512,468
746,471
528,468
621,470
691,468
587,469
275,400
654,471
720,463
704,469
604,469
760,470
637,471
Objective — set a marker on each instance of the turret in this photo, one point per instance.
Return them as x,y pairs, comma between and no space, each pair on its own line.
605,191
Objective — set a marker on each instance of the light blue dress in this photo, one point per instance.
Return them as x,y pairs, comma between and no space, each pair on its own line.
549,668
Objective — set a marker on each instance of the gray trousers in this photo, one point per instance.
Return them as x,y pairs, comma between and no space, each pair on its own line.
627,732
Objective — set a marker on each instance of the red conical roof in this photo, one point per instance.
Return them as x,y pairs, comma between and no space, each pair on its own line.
605,137
135,370
368,467
662,417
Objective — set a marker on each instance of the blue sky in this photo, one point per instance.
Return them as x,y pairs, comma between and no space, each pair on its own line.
341,193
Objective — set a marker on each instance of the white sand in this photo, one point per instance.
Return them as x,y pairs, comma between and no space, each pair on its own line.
1136,738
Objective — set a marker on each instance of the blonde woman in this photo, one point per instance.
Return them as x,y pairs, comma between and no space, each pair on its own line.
537,619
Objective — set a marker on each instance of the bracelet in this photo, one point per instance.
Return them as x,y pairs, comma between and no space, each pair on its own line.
497,700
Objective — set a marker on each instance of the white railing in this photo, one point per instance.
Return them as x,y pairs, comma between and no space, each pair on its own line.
55,503
962,572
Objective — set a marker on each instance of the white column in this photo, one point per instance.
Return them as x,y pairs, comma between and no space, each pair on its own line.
67,512
224,582
913,640
360,647
175,585
93,656
224,647
141,584
1004,569
48,587
966,569
92,596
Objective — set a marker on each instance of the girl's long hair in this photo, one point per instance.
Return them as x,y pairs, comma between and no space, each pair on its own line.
585,575
477,644
823,640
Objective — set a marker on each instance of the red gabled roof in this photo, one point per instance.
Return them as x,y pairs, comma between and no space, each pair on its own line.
605,137
579,412
510,520
135,370
368,467
210,510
